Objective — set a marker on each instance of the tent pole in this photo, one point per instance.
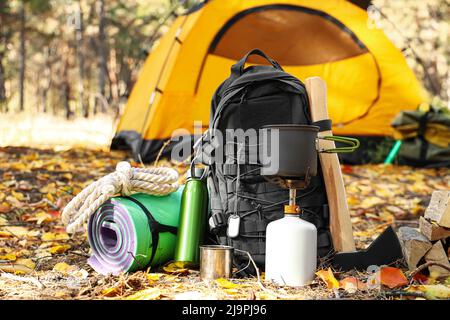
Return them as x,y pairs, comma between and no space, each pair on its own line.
393,153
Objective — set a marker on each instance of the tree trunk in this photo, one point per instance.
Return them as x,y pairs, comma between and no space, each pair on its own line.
80,57
3,106
22,58
102,57
66,90
48,79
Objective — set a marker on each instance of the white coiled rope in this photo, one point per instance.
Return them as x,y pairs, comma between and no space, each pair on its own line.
125,181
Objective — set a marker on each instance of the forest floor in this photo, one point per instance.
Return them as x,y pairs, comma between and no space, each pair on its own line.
39,260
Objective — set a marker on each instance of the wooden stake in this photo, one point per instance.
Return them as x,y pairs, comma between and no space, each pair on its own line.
340,223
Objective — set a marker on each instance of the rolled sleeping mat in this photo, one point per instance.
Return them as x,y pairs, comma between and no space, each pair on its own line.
131,233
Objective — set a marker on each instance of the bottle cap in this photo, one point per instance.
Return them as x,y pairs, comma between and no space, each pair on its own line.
292,209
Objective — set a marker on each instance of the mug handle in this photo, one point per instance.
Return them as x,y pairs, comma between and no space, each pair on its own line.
352,143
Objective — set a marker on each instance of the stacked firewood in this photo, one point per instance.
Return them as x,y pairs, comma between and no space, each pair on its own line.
430,243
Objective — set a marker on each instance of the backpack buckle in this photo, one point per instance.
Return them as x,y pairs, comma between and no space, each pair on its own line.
216,221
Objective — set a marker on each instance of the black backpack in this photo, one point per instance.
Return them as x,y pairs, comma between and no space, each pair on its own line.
249,99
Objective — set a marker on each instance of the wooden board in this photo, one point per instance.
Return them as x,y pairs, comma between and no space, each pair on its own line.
439,208
432,231
340,223
414,245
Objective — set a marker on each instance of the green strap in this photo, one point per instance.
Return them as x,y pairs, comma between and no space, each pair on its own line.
155,227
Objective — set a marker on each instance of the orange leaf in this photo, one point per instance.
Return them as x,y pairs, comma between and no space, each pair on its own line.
352,284
420,278
328,277
4,207
392,277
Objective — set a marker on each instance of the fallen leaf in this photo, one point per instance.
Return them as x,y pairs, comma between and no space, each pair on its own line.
174,268
111,292
4,207
226,284
392,277
352,284
16,231
25,185
265,296
26,262
18,195
15,268
80,274
52,236
328,277
154,276
432,292
370,202
40,217
64,268
9,257
59,248
147,294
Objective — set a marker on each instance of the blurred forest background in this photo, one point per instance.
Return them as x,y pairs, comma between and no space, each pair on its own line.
62,61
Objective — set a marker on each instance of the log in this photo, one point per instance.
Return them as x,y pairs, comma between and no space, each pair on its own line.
432,231
340,223
438,254
414,245
439,208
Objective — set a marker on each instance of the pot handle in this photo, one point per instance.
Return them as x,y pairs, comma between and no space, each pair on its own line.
352,143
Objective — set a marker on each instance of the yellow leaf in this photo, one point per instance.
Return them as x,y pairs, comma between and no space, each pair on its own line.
40,217
63,267
147,294
50,188
370,202
26,262
328,277
18,195
18,166
68,176
437,291
59,248
154,276
15,268
17,231
9,256
224,283
262,295
52,236
231,291
175,268
111,292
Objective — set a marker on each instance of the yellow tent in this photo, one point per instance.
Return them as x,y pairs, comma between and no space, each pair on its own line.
368,79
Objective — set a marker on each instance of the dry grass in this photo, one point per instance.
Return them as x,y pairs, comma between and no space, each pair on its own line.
45,130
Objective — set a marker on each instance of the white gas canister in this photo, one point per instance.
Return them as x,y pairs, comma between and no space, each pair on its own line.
291,251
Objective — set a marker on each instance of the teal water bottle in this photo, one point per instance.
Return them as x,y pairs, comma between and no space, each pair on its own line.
193,212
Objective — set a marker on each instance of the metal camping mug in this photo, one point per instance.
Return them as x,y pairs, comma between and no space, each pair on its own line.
297,148
215,261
